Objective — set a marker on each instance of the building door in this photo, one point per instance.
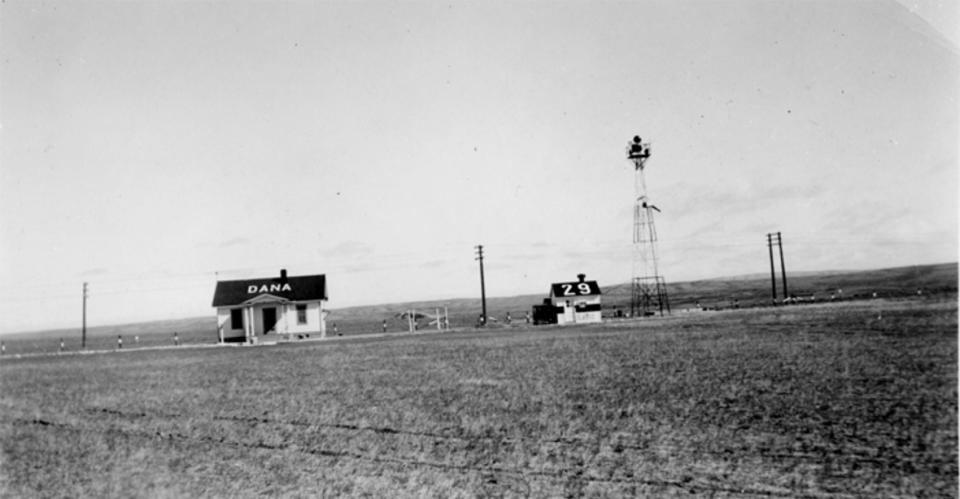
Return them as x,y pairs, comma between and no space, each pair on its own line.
269,319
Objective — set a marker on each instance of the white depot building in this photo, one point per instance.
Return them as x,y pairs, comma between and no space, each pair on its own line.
576,302
283,307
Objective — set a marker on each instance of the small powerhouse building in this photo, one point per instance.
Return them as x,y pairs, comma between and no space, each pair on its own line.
576,302
282,307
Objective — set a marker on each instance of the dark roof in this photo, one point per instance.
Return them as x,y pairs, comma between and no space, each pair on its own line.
560,289
293,288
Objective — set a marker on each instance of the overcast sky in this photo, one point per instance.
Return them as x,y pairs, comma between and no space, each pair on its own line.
152,148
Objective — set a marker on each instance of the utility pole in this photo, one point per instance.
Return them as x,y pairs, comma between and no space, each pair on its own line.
783,268
483,290
83,342
778,239
773,273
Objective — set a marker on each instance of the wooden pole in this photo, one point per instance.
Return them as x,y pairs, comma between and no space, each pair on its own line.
483,290
83,341
783,268
773,274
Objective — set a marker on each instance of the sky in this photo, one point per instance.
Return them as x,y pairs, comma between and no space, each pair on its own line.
152,148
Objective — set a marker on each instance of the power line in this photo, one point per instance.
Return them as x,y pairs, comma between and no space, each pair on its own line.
404,259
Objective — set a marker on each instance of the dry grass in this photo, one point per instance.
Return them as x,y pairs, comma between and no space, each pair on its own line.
822,401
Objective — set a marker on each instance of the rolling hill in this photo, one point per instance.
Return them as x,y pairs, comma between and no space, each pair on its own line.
745,291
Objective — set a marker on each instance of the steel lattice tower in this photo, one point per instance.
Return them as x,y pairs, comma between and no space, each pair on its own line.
649,289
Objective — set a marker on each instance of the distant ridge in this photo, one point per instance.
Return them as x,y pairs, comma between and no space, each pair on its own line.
745,290
761,275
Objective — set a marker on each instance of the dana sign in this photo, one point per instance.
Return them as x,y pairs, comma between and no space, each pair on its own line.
273,288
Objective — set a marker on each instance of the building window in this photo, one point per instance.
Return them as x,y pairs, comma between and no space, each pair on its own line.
236,318
301,314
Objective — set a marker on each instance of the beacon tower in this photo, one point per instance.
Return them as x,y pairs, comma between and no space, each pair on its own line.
649,289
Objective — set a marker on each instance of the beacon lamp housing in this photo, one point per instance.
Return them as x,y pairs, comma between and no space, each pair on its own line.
637,149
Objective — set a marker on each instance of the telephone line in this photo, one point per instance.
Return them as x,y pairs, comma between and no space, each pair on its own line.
403,259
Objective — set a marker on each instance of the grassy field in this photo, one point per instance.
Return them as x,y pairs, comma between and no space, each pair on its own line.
857,399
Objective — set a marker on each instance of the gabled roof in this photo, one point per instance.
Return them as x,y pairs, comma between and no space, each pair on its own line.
292,288
574,288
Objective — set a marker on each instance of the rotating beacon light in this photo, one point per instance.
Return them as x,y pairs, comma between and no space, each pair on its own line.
638,151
